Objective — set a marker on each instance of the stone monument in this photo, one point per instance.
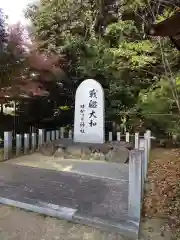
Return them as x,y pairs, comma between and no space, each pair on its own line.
89,113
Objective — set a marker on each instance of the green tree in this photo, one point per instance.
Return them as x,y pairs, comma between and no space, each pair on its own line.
106,41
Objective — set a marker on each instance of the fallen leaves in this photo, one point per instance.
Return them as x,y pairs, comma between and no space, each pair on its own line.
163,197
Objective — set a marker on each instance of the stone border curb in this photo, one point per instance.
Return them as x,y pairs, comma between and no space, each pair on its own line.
128,228
42,208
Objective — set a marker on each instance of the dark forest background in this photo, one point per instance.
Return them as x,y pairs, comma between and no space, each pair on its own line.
105,40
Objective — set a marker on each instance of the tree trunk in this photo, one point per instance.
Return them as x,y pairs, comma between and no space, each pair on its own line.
2,109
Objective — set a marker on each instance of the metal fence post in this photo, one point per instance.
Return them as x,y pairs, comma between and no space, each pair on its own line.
7,145
135,178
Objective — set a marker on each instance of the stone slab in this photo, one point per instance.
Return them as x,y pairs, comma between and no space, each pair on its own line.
89,112
96,202
103,198
94,168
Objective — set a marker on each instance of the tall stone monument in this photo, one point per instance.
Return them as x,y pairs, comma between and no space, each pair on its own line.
89,113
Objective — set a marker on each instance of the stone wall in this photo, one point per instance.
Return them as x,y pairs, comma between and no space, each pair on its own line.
66,149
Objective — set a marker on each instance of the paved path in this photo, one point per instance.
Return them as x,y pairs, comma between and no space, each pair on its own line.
96,197
94,168
80,198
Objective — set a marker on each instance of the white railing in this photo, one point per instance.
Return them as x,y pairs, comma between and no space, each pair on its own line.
30,139
47,136
138,168
35,140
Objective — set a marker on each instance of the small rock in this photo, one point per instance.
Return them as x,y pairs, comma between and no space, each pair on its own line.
59,152
119,154
109,155
64,142
129,146
47,149
85,150
98,156
74,151
59,145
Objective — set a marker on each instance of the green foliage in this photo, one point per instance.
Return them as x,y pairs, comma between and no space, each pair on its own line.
158,106
105,40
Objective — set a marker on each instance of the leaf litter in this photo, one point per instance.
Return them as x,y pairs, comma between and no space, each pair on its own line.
162,197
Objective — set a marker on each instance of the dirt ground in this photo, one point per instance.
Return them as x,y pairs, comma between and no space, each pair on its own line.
16,224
